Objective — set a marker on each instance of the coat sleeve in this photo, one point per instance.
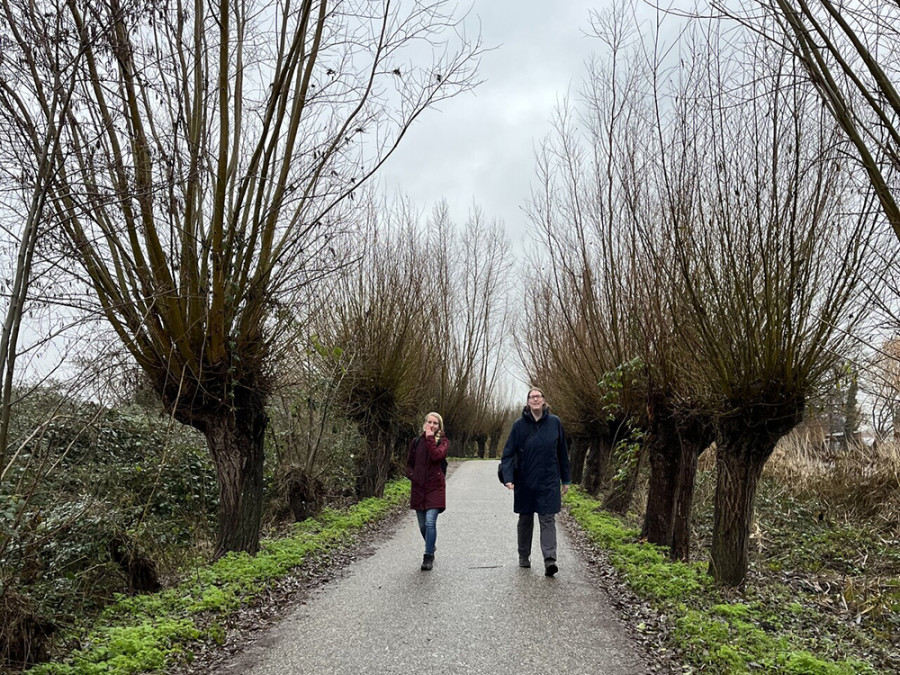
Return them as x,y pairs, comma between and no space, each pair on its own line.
562,456
509,453
438,451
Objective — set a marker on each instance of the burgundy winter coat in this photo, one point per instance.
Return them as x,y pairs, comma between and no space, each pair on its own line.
423,468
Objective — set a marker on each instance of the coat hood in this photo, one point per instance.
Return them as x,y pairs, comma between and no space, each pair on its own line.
526,412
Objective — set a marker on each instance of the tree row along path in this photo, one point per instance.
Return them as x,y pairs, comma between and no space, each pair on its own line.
477,611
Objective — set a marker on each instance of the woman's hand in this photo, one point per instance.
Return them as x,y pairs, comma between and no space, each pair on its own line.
431,425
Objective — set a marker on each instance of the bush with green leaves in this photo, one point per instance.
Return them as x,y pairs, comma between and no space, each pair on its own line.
147,633
86,479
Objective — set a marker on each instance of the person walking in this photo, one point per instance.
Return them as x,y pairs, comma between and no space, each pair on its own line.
535,466
425,468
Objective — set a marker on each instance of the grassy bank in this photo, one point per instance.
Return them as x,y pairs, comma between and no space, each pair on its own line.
783,622
145,633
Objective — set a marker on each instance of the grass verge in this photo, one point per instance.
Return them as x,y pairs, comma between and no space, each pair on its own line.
716,630
145,633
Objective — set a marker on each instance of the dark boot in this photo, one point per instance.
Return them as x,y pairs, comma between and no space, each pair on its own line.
550,567
427,562
524,561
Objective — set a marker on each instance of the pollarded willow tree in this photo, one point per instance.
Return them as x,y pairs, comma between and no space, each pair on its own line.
611,279
768,230
212,155
576,330
620,114
377,331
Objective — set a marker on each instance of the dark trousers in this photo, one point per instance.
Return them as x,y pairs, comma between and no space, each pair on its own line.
525,531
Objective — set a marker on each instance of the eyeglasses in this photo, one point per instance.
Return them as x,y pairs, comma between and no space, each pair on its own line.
536,396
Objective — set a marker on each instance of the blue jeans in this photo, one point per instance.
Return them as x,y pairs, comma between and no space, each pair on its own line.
428,528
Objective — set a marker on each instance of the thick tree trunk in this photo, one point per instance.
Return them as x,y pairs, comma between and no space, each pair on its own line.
375,467
684,500
235,439
494,446
739,464
304,493
664,454
481,440
595,464
674,443
744,444
458,445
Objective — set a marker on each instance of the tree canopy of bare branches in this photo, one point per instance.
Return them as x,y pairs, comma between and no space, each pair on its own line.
849,53
212,155
420,328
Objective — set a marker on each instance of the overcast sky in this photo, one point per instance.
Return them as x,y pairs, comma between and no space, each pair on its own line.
478,148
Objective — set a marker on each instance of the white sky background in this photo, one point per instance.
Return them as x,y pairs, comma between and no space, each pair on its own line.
478,148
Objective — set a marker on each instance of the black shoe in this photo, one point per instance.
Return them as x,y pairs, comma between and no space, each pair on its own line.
524,561
427,562
550,567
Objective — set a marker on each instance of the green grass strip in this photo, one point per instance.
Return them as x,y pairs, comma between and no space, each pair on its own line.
714,635
142,634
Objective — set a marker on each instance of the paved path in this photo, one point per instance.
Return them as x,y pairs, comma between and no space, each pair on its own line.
475,613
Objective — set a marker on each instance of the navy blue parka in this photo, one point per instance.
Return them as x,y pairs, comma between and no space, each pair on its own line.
538,449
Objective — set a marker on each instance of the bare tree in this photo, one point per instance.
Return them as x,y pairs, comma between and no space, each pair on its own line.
29,157
469,276
380,324
577,329
849,52
214,154
421,328
769,246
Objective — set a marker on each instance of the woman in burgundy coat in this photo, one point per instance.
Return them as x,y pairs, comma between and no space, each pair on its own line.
425,468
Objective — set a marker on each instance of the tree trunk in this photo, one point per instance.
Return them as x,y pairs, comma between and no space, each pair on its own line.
375,467
684,499
674,443
596,462
664,454
458,445
579,450
494,445
622,493
304,493
743,446
235,439
481,439
739,464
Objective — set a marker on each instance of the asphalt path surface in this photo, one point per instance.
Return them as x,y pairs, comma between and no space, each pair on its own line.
476,612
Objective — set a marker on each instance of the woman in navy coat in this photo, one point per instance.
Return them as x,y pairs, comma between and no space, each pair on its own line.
424,467
535,465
